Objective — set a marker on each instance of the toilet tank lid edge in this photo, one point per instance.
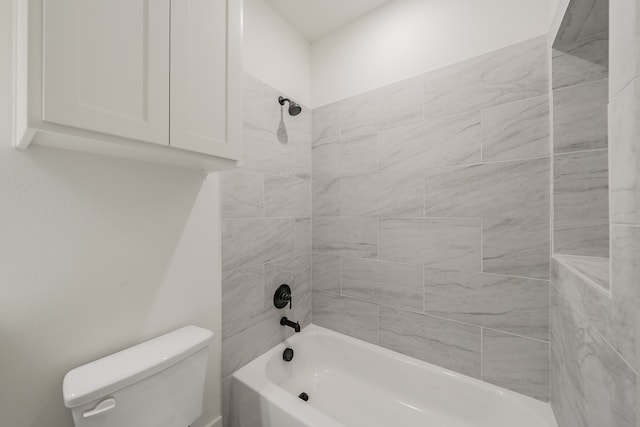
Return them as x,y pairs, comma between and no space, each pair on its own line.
118,370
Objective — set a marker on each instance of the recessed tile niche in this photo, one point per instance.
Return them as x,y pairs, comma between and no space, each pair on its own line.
580,72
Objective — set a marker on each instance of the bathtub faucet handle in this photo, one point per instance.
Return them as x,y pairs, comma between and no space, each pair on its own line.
282,297
286,322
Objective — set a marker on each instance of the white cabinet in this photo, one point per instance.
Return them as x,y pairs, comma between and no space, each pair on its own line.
200,81
154,80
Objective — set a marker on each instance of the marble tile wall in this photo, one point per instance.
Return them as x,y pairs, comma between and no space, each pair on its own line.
594,333
266,229
580,140
431,217
593,341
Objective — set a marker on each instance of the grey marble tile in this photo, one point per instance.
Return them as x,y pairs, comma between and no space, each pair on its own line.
345,157
581,61
444,242
516,363
566,402
594,269
625,43
253,101
567,331
242,193
326,123
581,236
345,236
383,282
518,130
262,151
625,269
597,309
400,103
346,315
448,344
518,247
625,155
609,385
580,185
443,142
252,327
242,298
582,20
580,117
594,140
226,401
302,234
302,161
358,115
287,197
243,347
276,119
514,189
325,196
509,74
326,273
575,288
295,272
611,317
385,194
511,304
248,242
558,391
593,303
253,108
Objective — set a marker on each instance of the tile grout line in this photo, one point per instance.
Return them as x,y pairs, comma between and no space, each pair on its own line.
568,153
482,114
482,354
378,323
482,245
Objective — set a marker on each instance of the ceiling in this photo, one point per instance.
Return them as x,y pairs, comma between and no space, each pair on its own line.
316,18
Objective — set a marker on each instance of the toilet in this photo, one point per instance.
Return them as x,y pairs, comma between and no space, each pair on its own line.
158,383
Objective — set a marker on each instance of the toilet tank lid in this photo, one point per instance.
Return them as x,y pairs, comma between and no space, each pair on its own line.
114,372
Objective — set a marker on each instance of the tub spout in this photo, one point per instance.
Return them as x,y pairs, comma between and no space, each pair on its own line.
286,322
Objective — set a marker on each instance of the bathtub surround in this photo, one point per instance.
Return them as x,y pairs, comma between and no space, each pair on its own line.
266,228
432,220
593,322
431,223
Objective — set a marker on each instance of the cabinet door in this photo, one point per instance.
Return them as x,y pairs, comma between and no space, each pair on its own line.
206,72
106,66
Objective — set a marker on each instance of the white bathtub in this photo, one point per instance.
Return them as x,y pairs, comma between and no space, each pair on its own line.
357,384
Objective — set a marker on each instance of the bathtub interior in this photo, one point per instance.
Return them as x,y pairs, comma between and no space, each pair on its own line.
357,383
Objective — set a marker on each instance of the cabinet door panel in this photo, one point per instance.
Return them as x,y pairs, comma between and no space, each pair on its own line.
106,66
205,75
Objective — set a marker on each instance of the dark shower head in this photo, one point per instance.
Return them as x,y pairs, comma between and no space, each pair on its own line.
294,109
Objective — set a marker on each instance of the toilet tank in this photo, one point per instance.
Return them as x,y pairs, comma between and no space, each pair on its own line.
158,383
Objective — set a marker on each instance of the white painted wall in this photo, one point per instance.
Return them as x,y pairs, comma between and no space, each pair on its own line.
409,37
96,254
275,53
